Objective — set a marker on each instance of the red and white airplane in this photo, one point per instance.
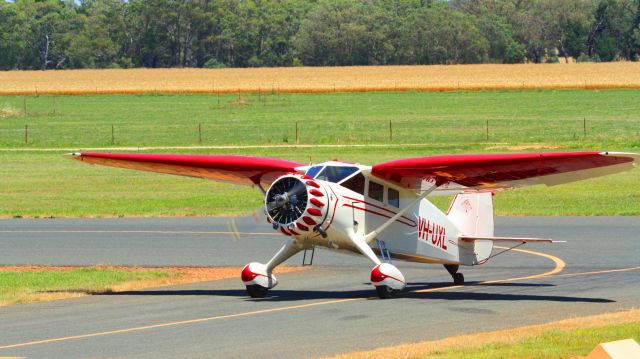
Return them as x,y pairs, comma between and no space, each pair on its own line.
381,210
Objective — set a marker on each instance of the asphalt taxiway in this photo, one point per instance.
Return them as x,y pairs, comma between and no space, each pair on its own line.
329,308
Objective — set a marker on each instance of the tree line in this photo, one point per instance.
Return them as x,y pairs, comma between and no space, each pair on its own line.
62,34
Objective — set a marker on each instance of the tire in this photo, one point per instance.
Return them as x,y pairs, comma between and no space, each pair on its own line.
458,279
256,291
386,292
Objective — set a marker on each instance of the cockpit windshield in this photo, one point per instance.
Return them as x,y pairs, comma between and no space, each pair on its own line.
336,174
313,171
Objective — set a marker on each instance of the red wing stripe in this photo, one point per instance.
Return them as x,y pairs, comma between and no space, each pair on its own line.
500,169
247,170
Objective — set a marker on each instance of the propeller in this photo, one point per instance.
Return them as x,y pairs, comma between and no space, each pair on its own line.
256,219
286,200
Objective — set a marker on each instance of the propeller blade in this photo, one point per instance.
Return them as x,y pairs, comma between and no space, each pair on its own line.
297,189
272,205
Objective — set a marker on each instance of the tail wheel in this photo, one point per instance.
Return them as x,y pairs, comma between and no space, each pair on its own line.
386,292
257,291
458,279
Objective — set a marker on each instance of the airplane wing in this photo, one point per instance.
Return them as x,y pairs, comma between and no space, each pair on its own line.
496,171
246,170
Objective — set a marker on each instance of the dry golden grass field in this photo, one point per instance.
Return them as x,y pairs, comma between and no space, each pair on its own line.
324,79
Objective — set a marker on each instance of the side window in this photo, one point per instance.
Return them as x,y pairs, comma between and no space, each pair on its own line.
394,197
355,183
376,191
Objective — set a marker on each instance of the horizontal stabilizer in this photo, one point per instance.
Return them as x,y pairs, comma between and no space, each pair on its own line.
507,239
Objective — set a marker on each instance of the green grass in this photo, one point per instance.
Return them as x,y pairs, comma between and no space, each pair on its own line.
39,183
47,184
551,344
515,117
25,287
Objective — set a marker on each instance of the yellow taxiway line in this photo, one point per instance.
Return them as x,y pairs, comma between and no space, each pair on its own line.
598,272
559,266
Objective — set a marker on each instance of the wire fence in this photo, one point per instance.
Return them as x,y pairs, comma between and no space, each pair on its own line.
48,122
370,132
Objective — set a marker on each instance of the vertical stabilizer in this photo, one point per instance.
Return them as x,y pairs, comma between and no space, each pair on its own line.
472,213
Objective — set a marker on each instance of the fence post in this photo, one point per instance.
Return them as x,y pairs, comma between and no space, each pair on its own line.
296,132
26,133
200,133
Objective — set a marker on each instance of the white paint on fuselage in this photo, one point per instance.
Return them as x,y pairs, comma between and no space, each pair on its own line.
354,215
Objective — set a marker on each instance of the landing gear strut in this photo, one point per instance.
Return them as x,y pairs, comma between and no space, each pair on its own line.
458,278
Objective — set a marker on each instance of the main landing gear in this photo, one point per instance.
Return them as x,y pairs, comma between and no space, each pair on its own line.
257,291
259,278
388,280
458,278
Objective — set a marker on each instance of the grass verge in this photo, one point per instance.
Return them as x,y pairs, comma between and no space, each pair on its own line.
555,118
43,184
563,339
22,284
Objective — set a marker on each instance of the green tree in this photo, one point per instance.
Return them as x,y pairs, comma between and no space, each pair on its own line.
439,34
99,37
12,45
347,33
44,31
503,47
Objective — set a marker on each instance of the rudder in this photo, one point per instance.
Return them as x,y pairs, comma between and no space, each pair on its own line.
472,213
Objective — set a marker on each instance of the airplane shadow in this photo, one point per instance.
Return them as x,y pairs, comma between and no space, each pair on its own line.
471,284
413,291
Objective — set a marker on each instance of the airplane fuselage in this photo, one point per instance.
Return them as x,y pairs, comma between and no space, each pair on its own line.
423,234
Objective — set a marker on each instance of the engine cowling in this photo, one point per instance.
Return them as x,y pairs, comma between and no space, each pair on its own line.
296,205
